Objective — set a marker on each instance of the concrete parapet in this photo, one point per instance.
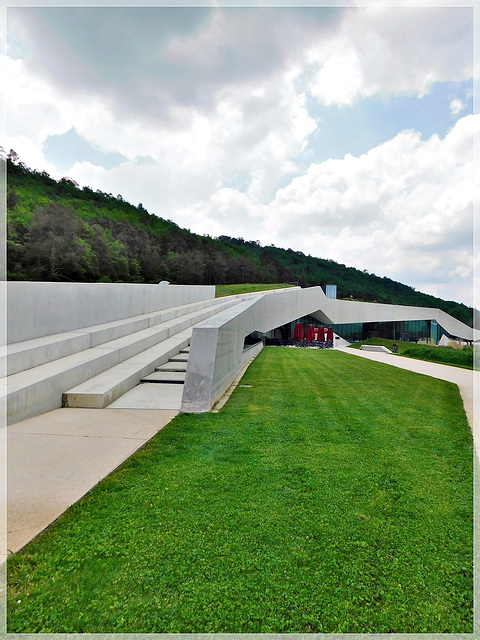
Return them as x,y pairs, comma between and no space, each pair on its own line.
345,311
64,334
36,309
215,356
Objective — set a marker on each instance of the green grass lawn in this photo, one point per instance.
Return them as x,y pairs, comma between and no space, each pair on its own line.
443,355
330,494
222,290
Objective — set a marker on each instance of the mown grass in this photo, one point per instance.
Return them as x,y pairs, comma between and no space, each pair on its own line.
330,494
222,290
463,357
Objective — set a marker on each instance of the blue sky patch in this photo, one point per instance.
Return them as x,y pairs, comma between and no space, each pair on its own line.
66,149
372,121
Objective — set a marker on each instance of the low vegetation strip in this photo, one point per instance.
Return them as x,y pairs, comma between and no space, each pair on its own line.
222,290
444,355
457,357
331,494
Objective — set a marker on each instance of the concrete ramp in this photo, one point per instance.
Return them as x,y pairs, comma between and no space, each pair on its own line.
375,347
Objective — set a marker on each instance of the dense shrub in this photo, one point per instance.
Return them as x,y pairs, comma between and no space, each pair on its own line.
444,355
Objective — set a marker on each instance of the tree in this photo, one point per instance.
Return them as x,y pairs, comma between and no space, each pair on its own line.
215,268
13,156
53,249
111,254
12,199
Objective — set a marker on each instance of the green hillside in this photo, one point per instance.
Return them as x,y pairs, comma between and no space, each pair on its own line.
58,231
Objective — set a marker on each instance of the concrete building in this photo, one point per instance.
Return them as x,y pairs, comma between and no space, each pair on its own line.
217,347
86,345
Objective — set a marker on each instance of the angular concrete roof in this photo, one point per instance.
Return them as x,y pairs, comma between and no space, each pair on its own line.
217,346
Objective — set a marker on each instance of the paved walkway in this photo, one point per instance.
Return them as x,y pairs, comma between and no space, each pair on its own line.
55,458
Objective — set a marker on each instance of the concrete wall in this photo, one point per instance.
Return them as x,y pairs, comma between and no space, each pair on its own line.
36,309
216,349
215,358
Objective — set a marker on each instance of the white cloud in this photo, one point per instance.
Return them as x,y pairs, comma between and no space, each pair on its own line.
404,210
456,106
339,81
148,61
252,138
221,107
392,51
34,111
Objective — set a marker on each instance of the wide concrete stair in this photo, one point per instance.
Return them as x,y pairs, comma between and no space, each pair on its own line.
161,390
172,372
165,385
93,366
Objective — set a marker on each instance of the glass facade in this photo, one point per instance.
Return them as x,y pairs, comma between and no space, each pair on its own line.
405,331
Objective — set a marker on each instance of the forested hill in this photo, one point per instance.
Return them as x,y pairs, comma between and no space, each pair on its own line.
57,231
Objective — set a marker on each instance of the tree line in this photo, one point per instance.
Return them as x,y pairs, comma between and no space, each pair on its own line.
57,231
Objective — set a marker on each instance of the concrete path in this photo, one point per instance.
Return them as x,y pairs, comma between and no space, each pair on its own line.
150,396
468,381
55,458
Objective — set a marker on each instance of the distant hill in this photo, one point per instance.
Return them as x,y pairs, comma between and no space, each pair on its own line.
57,231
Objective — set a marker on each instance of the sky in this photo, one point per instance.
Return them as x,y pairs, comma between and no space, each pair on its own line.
344,132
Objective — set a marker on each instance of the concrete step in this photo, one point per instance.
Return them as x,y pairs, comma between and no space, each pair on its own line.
38,390
172,366
375,347
41,388
165,377
21,356
181,357
103,389
151,396
100,391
